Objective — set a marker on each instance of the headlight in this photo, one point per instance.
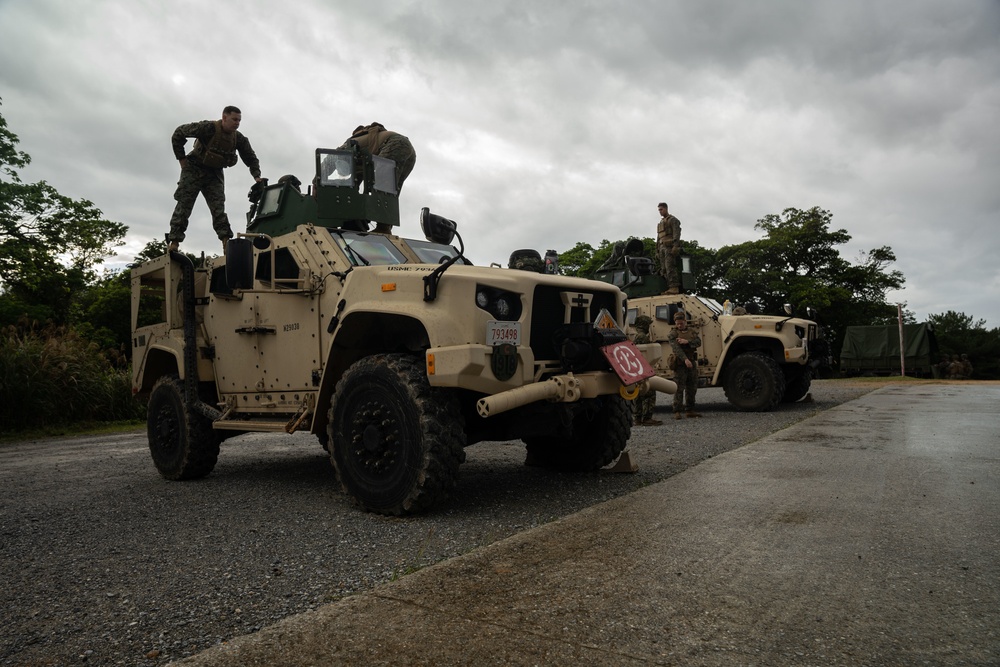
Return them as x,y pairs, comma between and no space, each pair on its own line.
503,308
500,304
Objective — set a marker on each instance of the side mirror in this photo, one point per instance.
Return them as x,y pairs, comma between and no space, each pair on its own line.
788,309
639,266
436,228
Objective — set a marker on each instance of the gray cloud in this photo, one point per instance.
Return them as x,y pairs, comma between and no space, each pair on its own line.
543,124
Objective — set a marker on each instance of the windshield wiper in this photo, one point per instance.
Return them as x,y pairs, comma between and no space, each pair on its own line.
356,257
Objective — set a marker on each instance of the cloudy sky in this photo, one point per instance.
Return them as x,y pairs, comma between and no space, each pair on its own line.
541,124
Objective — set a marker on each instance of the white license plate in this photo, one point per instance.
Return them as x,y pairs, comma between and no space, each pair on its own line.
498,333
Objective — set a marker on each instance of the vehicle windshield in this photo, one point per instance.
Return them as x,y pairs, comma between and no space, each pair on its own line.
432,253
368,249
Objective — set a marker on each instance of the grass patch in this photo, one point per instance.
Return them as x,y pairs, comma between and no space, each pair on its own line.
72,430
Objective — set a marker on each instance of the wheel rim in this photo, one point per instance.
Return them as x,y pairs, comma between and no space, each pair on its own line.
376,439
748,383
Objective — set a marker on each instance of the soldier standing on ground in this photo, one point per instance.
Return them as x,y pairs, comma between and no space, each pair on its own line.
644,404
668,247
955,368
966,367
216,145
684,344
942,367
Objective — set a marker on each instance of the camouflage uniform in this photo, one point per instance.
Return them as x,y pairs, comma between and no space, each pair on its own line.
942,367
203,173
955,368
668,247
377,140
643,405
966,367
686,378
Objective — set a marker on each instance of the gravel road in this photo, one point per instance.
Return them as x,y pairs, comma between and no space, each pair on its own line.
105,563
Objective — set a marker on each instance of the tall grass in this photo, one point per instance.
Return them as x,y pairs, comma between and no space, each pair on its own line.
53,376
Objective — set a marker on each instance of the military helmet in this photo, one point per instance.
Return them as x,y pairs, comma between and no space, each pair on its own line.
526,260
642,322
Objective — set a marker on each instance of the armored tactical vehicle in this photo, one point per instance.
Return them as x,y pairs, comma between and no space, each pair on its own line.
759,360
396,353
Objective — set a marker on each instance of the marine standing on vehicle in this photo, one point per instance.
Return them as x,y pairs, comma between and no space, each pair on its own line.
668,247
216,145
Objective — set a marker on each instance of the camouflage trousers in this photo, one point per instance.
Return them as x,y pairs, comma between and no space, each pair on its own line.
197,180
668,267
399,149
642,406
687,386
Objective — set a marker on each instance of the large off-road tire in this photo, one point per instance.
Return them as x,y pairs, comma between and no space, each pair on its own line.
181,442
395,442
797,382
598,437
754,382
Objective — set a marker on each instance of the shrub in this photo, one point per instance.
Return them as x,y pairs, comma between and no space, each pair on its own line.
53,376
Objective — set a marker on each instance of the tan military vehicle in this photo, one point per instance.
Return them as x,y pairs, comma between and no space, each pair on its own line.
760,361
397,353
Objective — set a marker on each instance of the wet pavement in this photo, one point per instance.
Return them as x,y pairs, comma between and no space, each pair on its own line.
866,535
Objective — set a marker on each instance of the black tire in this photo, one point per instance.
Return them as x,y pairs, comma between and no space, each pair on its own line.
599,437
396,442
754,382
182,443
797,382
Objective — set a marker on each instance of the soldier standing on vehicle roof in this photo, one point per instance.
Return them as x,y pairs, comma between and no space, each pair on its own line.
668,247
684,344
216,145
645,403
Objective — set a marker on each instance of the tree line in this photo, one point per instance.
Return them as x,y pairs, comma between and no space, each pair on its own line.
66,325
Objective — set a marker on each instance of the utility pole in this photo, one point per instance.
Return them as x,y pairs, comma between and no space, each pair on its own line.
902,341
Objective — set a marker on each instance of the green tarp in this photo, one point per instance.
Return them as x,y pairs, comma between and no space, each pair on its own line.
877,348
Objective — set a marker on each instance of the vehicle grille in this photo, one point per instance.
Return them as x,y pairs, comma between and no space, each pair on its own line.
548,320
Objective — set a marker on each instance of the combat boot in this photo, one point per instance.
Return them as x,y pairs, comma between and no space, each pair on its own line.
692,414
172,246
678,415
225,242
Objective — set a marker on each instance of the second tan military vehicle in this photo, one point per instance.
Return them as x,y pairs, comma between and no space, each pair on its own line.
760,361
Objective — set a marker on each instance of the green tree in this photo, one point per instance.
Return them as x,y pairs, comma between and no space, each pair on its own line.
798,262
50,243
574,259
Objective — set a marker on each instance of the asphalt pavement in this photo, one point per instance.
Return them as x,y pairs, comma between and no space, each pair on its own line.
868,534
